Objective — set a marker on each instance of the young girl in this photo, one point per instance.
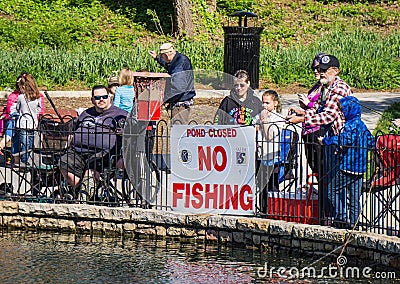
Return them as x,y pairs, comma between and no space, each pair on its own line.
11,119
28,106
271,121
271,127
124,97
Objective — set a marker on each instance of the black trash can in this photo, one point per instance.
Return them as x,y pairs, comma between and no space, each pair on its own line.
242,48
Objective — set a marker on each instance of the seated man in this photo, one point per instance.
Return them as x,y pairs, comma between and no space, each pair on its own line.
95,139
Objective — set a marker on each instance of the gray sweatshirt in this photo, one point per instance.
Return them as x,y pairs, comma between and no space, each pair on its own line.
28,112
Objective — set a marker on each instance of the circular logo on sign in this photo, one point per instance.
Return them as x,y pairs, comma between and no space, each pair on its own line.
185,156
325,59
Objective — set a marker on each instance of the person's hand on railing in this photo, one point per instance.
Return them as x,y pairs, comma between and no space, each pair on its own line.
295,115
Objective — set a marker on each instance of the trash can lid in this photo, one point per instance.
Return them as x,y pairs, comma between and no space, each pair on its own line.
242,14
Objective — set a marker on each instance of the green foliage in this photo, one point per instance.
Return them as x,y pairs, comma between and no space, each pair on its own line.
385,124
368,61
229,6
79,42
63,23
207,22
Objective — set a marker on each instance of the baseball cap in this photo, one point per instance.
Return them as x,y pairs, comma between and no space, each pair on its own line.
328,61
166,47
113,80
316,59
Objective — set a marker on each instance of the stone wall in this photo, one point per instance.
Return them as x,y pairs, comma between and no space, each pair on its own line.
270,235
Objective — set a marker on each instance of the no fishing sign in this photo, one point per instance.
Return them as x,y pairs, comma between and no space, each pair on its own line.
212,169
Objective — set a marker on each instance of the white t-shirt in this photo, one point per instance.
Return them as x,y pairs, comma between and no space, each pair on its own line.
271,132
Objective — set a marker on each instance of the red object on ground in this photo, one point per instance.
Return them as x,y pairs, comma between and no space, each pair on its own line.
300,207
292,208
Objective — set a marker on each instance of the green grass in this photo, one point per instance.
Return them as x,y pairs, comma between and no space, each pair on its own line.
77,43
368,61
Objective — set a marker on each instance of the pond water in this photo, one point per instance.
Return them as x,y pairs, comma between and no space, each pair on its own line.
29,257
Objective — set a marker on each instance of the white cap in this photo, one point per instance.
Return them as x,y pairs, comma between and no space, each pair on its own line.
166,47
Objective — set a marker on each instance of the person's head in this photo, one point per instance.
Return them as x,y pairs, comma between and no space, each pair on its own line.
241,83
350,107
113,84
328,69
26,84
271,100
100,98
315,63
167,52
126,77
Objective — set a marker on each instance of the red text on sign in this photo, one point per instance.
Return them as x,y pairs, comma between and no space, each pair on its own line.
206,158
212,196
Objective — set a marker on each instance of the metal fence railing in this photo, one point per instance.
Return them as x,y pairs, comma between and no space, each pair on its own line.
367,198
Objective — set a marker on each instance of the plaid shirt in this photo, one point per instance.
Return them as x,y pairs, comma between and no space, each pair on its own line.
330,114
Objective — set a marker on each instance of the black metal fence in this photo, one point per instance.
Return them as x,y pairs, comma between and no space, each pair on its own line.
334,194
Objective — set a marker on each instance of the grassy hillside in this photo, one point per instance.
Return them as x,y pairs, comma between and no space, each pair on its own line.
76,43
57,23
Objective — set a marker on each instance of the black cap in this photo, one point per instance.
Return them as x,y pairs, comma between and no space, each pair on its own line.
328,61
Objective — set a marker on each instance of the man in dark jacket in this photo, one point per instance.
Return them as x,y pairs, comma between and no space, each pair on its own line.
180,92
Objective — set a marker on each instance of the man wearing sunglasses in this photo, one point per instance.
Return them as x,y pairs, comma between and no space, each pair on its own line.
96,138
329,116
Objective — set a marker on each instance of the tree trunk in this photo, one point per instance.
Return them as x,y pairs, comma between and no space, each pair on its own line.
184,18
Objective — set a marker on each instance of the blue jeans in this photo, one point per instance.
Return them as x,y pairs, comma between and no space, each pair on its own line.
342,184
330,168
26,137
12,133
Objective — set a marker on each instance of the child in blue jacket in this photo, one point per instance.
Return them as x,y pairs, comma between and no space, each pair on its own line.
353,144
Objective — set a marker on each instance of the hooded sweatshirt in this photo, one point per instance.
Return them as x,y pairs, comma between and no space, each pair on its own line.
354,140
233,111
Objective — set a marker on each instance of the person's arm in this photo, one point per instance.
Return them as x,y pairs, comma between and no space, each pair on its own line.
12,98
222,117
330,113
42,104
13,108
117,97
332,140
161,61
338,90
270,129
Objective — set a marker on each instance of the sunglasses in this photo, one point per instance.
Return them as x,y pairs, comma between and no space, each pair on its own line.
97,98
240,85
320,70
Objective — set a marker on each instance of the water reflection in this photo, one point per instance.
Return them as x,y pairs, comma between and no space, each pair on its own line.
29,257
